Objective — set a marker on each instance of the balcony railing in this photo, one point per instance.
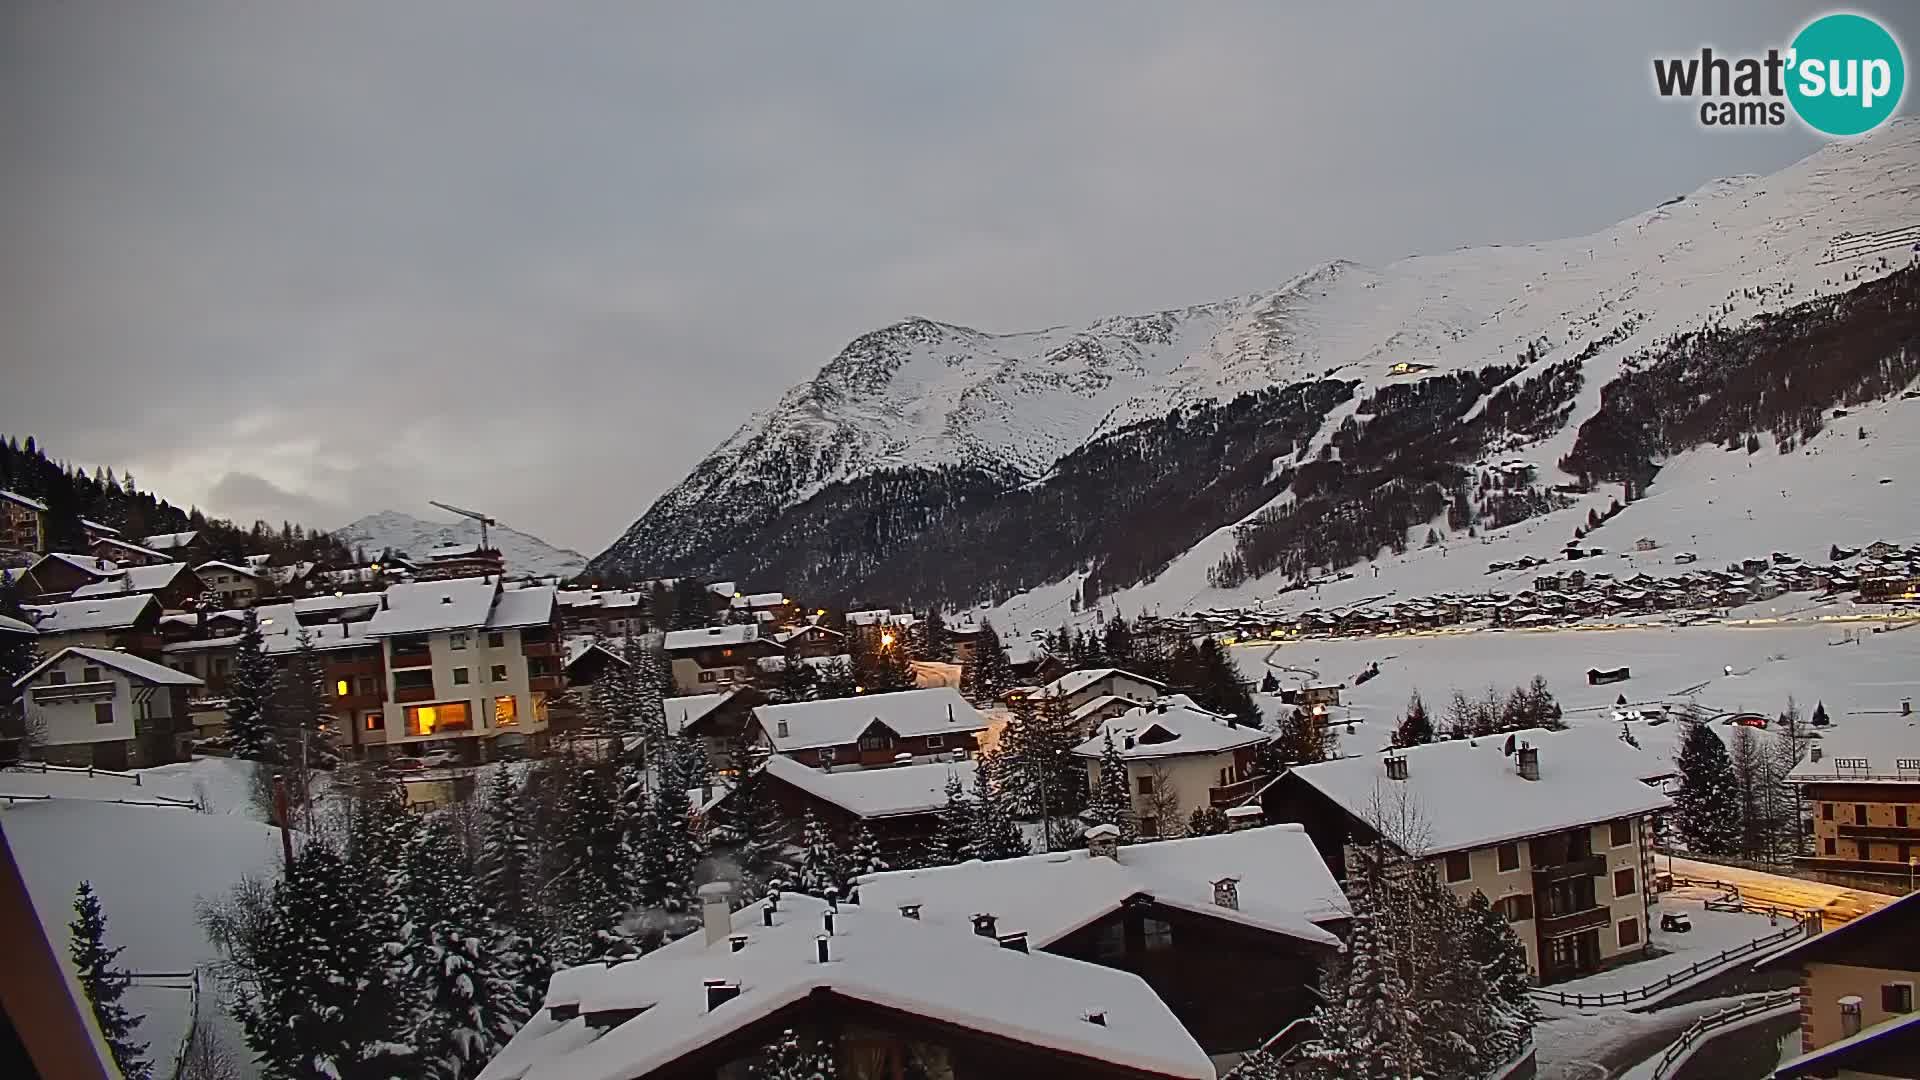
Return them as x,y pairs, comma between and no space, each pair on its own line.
412,658
550,683
1583,866
1593,918
1880,832
406,694
80,691
1229,795
540,648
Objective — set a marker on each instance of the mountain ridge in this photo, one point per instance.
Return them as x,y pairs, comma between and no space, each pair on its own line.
415,536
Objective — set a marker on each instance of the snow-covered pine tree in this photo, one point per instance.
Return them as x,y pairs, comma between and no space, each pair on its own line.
822,865
995,836
1367,1027
1707,805
1207,821
864,858
1112,801
1221,688
504,873
667,852
837,680
931,640
105,983
1491,945
1302,740
989,672
1037,770
1416,727
250,697
794,1056
952,840
471,1003
751,824
798,681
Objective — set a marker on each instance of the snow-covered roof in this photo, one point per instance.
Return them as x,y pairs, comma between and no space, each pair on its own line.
522,607
169,541
1075,681
1468,794
217,564
99,526
875,793
838,721
92,565
454,551
946,975
127,663
682,711
881,617
125,545
16,497
1284,886
419,607
15,626
723,588
1168,728
1881,748
76,615
135,579
785,636
1099,703
704,637
760,600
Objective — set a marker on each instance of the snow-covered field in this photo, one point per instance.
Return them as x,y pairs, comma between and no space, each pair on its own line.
1862,680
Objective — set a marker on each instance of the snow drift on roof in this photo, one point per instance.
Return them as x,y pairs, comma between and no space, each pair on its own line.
77,615
838,721
522,607
419,607
135,579
1074,681
874,793
734,634
1168,728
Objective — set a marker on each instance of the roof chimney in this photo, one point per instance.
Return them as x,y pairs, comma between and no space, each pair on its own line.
1250,816
780,727
826,922
766,915
719,992
1816,753
1016,942
1097,1019
1103,841
1226,893
738,941
911,911
715,913
1396,768
820,949
984,925
1529,762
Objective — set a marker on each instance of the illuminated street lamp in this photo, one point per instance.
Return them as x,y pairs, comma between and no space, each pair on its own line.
886,640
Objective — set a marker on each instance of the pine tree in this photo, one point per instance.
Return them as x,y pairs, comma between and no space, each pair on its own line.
931,640
952,840
1302,740
1117,643
989,673
251,719
1417,727
822,865
794,1056
504,874
105,983
865,858
752,828
994,834
1207,821
1491,946
1367,1026
1112,801
1220,688
1707,806
1820,714
837,680
667,852
471,1003
798,681
1037,770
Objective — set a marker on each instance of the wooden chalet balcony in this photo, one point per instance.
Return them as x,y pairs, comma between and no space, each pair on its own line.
407,694
540,648
412,658
1880,832
549,683
1583,866
1593,918
1230,795
80,691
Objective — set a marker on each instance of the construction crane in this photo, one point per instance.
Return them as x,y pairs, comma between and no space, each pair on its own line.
483,519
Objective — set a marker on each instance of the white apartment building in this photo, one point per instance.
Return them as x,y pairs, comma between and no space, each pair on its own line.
1179,758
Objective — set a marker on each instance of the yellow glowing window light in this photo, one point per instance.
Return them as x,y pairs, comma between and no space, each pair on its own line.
506,711
341,688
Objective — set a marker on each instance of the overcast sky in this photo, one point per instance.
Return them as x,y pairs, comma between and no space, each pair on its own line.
311,260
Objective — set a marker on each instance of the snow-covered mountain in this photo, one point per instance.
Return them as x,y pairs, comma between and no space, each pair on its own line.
1008,411
416,536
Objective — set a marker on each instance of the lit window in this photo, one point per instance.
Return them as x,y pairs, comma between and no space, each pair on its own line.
506,711
342,688
499,673
374,721
430,719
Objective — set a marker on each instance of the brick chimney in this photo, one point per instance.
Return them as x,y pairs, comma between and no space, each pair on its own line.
1103,841
1226,893
1529,762
1250,816
986,925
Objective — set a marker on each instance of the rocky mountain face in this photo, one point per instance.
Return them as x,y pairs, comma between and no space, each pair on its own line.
525,554
1351,408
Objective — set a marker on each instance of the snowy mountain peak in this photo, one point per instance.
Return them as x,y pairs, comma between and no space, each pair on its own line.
524,554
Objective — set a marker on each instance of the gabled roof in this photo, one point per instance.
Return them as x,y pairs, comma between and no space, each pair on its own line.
522,607
420,607
115,541
894,791
785,636
1169,728
1284,886
1890,1044
760,600
705,637
72,616
127,663
692,708
949,977
1075,681
93,566
244,571
15,626
169,541
16,497
839,721
134,579
1470,795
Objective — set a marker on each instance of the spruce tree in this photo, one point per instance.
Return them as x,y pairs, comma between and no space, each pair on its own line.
1707,805
1220,688
931,640
1207,821
105,983
865,858
1117,642
1037,769
667,852
471,1003
798,681
1112,800
1416,727
822,865
1367,1025
251,720
752,828
837,680
504,874
1302,740
989,673
995,836
952,840
1492,947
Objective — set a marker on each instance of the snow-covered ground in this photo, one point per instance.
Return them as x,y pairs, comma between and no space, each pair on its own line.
220,785
1713,932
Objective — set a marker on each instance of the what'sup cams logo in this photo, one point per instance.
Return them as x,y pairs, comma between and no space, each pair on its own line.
1843,75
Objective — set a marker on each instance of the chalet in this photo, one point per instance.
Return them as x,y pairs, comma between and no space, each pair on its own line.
812,640
1230,930
1559,841
717,657
23,522
610,613
1088,718
898,805
587,659
1076,688
185,546
872,729
881,626
770,608
1179,758
1317,694
717,720
1862,782
1857,1016
174,584
234,586
887,995
965,639
54,577
106,709
1603,676
116,550
129,623
1037,670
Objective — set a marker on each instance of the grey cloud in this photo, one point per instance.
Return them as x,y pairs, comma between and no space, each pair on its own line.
540,258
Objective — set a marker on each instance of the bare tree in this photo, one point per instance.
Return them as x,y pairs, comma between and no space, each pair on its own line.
206,1057
1163,802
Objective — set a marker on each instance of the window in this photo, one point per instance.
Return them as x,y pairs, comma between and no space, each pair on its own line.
1518,908
1829,845
368,686
1896,997
1144,784
1623,883
460,676
1622,832
506,711
1149,825
457,641
878,740
373,721
1110,941
222,664
1629,931
1859,813
1158,934
414,679
707,676
433,719
1826,811
1900,816
342,688
56,677
1509,857
936,742
91,674
499,673
542,665
496,640
103,713
1459,867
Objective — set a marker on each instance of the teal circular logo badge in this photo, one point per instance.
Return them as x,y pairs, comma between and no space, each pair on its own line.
1847,74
